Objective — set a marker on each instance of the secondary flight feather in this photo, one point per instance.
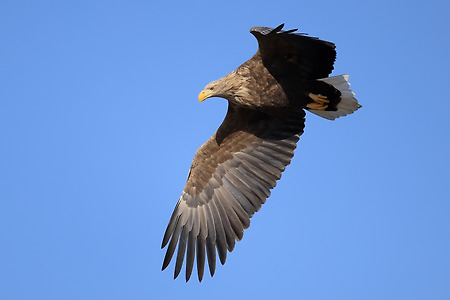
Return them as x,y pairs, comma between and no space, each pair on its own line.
233,172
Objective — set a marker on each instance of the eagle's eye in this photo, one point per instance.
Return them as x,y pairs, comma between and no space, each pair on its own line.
211,88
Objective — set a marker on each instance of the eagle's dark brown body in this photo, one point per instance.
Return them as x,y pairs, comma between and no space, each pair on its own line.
233,172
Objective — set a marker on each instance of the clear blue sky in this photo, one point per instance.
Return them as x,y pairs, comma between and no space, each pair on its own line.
99,122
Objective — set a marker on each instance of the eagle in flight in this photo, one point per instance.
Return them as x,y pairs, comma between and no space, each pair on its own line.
233,172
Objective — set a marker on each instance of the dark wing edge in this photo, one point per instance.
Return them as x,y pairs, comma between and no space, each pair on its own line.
314,58
234,188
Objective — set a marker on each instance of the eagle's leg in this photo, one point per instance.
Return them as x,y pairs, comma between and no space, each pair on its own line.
320,102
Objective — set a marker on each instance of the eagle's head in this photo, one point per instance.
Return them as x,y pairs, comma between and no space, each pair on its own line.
227,87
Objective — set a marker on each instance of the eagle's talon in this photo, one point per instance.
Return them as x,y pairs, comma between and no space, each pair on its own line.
316,106
318,98
319,102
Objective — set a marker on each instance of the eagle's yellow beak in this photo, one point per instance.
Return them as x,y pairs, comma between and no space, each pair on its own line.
204,94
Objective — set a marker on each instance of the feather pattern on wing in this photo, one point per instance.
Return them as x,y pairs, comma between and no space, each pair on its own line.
236,168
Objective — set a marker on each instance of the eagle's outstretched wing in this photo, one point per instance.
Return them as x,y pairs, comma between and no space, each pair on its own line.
286,53
230,177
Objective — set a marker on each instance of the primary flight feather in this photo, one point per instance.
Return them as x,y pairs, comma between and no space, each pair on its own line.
233,172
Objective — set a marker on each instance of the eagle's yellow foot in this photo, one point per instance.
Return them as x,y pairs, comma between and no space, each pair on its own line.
319,102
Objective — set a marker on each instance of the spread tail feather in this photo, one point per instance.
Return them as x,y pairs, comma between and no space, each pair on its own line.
348,103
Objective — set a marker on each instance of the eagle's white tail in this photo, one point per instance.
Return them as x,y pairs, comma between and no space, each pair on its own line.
348,104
